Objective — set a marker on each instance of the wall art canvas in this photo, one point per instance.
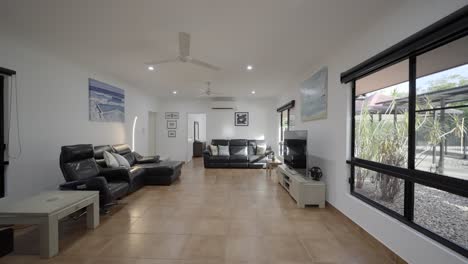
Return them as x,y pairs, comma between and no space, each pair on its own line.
314,93
241,118
172,115
106,102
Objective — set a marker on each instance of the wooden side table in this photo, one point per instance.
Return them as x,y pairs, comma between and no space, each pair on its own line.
272,164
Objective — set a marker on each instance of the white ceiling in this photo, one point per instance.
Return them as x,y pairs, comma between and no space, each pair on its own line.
282,38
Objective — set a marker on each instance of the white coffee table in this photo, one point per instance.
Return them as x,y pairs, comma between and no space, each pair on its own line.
46,209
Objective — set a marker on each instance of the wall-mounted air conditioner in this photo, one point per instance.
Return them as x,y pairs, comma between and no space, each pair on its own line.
223,104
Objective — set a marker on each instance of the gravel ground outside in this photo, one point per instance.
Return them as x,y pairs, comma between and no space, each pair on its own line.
441,212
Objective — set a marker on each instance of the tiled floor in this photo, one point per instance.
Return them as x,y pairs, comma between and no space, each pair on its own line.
209,216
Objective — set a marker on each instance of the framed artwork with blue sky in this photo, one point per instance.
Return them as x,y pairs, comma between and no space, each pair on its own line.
106,102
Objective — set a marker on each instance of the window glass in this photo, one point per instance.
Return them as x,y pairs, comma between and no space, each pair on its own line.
381,188
442,110
284,125
443,213
381,117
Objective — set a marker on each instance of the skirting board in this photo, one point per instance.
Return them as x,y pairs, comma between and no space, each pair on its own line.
378,245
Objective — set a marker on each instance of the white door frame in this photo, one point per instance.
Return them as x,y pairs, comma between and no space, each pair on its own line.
190,144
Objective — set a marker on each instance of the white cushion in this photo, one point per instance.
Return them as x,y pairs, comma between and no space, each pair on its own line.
223,150
214,150
110,160
123,162
261,149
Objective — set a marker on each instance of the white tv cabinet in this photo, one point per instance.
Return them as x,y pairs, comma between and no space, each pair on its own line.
304,190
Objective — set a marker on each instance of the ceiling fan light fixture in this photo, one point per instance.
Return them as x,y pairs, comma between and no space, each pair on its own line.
174,92
249,67
150,68
253,92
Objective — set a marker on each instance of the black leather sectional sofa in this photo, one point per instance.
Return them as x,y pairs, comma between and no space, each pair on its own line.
237,157
84,168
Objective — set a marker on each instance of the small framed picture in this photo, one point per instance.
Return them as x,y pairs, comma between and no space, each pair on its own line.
171,133
241,118
171,124
172,115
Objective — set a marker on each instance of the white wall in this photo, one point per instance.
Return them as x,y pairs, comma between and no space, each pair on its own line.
219,123
53,111
329,140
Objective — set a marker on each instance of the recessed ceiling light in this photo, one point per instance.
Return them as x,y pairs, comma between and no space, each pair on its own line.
253,92
174,92
151,68
249,67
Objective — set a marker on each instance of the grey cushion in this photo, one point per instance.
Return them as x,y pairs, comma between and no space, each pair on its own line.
261,149
223,150
213,150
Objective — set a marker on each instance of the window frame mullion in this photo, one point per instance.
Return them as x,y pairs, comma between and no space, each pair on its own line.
409,185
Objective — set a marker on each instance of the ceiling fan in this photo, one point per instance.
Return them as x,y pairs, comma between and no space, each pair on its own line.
184,55
207,91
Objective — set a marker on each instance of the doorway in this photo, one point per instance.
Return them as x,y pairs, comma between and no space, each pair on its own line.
196,134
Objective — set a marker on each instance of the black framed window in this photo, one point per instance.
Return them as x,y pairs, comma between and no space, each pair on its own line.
5,76
409,131
2,144
284,122
284,126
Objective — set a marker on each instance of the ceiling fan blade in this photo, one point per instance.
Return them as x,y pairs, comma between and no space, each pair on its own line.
184,44
161,62
204,64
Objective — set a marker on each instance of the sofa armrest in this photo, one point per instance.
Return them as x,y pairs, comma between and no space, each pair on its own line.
74,185
145,159
93,184
206,153
119,173
148,159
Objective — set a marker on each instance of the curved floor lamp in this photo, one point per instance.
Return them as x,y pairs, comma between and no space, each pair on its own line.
133,133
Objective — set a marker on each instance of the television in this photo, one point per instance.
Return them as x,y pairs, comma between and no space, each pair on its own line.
295,150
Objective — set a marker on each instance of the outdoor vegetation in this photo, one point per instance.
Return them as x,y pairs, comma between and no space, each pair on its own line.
381,135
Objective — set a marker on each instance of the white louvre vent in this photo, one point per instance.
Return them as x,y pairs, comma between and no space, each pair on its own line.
223,103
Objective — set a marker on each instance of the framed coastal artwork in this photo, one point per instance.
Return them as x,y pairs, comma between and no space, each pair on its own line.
314,96
106,102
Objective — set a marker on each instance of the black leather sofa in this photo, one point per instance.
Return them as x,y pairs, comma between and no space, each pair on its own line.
238,156
81,172
84,168
147,170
